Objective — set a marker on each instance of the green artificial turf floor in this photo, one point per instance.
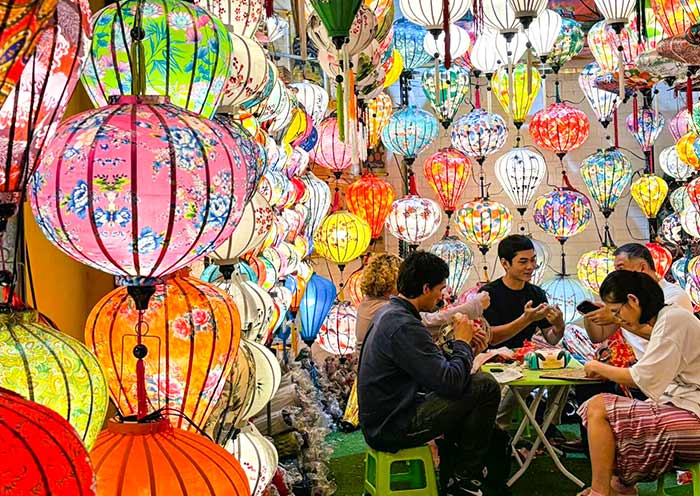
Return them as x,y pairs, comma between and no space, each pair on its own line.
541,479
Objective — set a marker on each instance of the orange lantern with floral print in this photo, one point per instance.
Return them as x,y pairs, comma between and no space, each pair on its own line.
448,173
560,128
370,198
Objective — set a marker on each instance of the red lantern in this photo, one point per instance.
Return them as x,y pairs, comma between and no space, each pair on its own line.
370,198
41,453
448,173
353,289
560,128
132,457
662,258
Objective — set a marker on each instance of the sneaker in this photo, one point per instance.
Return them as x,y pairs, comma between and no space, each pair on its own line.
464,487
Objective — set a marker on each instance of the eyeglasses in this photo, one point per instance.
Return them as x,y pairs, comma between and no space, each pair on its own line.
616,313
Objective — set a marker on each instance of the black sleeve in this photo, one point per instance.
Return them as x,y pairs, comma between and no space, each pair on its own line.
415,352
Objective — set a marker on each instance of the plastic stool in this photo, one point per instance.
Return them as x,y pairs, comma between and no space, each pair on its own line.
406,473
686,489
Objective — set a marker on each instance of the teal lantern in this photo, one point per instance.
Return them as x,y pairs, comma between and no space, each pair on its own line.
317,301
409,132
446,90
337,16
606,174
408,40
566,291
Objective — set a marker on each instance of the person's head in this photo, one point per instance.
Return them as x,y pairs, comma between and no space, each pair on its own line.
518,257
635,257
422,278
632,296
378,279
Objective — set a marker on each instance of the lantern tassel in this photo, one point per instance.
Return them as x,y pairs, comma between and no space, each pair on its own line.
412,189
689,93
635,114
142,407
477,97
446,30
270,7
621,71
617,134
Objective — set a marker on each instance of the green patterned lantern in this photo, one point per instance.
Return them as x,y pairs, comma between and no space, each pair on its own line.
337,16
187,54
53,369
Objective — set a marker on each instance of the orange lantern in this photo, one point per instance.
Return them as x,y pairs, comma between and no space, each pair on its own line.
296,296
685,148
560,128
448,173
353,289
191,330
662,258
370,198
674,20
153,458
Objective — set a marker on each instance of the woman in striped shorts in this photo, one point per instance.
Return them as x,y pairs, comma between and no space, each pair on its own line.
631,440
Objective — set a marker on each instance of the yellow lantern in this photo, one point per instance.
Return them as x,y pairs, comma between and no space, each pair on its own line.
342,237
395,69
649,191
378,113
514,92
594,266
685,148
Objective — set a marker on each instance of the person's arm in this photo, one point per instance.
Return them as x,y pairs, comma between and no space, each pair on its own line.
472,308
502,333
555,331
600,324
601,370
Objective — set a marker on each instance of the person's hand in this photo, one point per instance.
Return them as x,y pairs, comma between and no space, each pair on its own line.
533,314
554,315
484,299
480,341
592,369
602,316
463,328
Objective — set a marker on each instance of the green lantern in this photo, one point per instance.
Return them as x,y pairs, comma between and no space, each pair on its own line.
337,17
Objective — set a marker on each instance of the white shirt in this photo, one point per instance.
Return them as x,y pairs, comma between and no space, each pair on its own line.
669,371
673,295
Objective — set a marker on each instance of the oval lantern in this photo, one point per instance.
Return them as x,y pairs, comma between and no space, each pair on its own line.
672,165
353,289
649,192
314,306
559,128
408,40
594,266
483,222
370,198
447,172
568,44
567,292
543,255
459,259
330,151
648,127
515,92
685,148
690,221
413,219
563,213
254,306
342,237
314,99
479,133
520,172
662,258
679,269
242,17
257,456
378,114
680,199
268,375
603,103
671,230
606,174
446,91
337,335
679,125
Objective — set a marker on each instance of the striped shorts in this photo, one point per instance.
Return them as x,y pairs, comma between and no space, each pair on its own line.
649,437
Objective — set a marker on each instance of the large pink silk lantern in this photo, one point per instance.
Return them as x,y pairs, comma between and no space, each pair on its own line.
139,188
330,151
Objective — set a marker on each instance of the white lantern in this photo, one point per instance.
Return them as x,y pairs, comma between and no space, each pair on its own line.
459,259
567,292
542,253
254,304
414,219
483,56
690,221
672,165
257,455
527,10
277,27
428,13
268,375
459,43
616,12
337,335
499,15
318,201
240,16
313,98
520,172
543,32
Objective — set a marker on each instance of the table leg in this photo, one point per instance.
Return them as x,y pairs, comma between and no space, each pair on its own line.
525,422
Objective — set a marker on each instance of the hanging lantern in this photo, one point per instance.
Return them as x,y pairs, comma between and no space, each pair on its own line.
254,306
679,269
616,13
662,258
169,461
122,222
483,222
318,201
409,131
191,73
515,92
604,43
527,10
459,43
500,16
314,306
254,226
690,221
671,229
594,266
370,198
429,13
483,58
685,148
542,253
649,126
447,172
248,77
449,94
245,150
337,17
276,27
674,166
353,289
694,271
459,259
649,191
268,376
563,213
187,318
330,151
43,454
337,335
520,172
693,189
413,219
378,114
680,199
393,68
672,16
543,33
314,99
479,133
567,292
242,17
342,237
257,456
360,34
679,125
606,174
602,102
408,40
568,45
559,128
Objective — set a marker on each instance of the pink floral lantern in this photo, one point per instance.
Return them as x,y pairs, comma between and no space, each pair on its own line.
139,188
678,126
330,151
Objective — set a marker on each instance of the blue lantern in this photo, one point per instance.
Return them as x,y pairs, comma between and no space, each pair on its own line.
679,269
606,174
408,40
314,306
409,132
308,144
566,291
211,273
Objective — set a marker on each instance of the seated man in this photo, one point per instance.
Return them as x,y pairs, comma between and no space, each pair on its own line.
409,392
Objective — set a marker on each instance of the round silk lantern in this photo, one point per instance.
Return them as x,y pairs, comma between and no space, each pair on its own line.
678,126
649,191
685,148
361,32
254,306
602,102
377,114
370,198
53,369
337,335
413,219
542,253
446,90
679,269
330,151
249,74
318,201
594,266
662,258
690,221
192,342
409,131
459,259
342,237
429,13
606,174
314,99
515,92
268,376
562,213
122,219
567,292
408,40
479,133
447,172
672,165
42,454
520,172
568,44
257,456
648,127
543,33
559,128
483,222
671,229
242,17
186,52
672,16
501,17
168,461
314,306
352,288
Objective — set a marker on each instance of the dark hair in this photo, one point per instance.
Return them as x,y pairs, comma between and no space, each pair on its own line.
418,269
511,245
636,250
620,283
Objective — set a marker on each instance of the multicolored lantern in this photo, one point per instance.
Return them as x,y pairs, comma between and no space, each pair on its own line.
679,125
649,191
516,90
679,269
690,221
685,148
377,114
606,174
337,335
447,172
330,151
594,266
408,40
370,198
671,229
568,45
257,456
413,219
520,172
446,89
648,127
680,199
342,237
479,133
254,305
314,306
560,128
563,213
42,454
602,102
409,131
604,42
674,166
459,259
483,222
123,219
567,292
53,369
672,16
662,258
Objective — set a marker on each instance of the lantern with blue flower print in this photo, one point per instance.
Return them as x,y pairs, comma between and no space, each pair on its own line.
408,40
563,213
647,128
409,131
318,298
479,133
459,259
566,291
606,174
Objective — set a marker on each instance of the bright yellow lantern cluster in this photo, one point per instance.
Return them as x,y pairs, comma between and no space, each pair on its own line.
649,191
342,237
514,92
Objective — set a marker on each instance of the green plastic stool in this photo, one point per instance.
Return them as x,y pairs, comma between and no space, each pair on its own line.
686,489
406,473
